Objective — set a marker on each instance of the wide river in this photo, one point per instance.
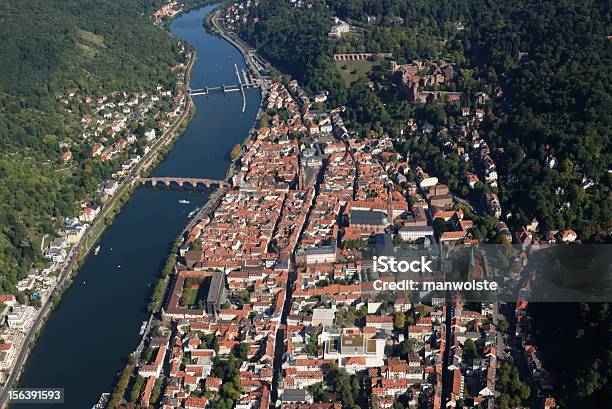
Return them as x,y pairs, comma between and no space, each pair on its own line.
89,336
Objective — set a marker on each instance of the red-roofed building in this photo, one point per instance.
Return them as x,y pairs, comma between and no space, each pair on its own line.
193,402
550,403
212,384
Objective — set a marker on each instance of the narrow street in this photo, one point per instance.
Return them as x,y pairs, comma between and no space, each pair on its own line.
279,347
447,380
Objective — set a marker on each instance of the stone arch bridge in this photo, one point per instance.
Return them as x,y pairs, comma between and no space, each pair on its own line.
182,182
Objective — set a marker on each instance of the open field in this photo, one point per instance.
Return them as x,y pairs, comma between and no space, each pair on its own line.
351,71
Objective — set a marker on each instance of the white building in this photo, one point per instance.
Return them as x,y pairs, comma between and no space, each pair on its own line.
21,317
412,233
27,283
150,134
110,187
352,343
74,233
380,322
59,243
88,214
56,255
339,29
315,255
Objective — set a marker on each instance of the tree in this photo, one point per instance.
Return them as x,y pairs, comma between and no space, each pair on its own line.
580,377
148,354
313,344
513,390
264,120
347,387
236,149
121,387
241,351
374,402
241,298
469,349
229,391
319,394
407,347
398,320
157,389
138,384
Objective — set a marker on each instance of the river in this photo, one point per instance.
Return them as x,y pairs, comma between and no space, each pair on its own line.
90,334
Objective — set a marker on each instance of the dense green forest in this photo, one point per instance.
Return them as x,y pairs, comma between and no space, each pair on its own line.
552,61
576,348
48,47
295,40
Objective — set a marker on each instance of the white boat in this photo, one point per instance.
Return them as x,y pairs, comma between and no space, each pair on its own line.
102,402
96,251
183,201
143,327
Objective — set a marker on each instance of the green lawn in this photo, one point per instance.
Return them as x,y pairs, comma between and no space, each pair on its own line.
350,71
188,298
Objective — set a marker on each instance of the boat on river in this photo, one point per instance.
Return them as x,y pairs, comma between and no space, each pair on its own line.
143,327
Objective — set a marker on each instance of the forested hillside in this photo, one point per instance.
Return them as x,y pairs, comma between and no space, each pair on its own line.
581,358
552,61
546,63
47,48
295,40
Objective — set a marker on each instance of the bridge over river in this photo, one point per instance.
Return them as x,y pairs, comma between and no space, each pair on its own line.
246,80
181,182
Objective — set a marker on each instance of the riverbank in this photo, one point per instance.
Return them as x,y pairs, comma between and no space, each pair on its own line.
81,250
